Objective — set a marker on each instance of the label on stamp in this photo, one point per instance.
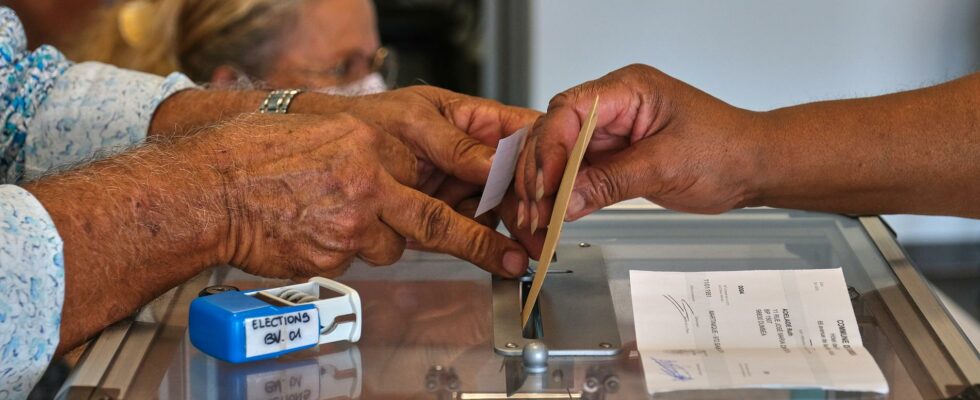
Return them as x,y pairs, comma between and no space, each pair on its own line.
286,331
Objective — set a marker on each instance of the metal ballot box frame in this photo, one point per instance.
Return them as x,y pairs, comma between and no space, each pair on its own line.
429,332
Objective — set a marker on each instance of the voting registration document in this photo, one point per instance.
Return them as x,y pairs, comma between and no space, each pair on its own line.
741,329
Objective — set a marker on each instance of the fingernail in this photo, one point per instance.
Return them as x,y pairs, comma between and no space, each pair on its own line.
534,217
521,213
540,184
514,262
575,204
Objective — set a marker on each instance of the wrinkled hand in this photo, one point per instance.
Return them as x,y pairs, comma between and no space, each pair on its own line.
308,194
453,136
656,137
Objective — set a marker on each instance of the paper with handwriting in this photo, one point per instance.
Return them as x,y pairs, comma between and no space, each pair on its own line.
750,329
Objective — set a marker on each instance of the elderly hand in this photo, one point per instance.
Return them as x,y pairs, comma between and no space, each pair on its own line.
308,194
656,137
453,136
282,196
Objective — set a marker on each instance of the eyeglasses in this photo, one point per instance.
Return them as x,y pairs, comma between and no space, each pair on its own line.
357,66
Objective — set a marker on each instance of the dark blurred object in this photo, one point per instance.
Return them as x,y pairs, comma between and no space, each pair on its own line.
51,21
51,381
953,268
971,393
436,41
216,289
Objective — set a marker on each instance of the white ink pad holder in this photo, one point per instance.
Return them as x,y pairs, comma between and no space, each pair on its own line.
255,325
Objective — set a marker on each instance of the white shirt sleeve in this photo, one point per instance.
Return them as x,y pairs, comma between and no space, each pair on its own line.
32,281
93,109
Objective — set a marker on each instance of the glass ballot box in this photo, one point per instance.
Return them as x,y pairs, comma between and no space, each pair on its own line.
428,321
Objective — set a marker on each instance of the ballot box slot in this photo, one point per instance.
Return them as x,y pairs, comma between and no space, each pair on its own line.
534,328
574,314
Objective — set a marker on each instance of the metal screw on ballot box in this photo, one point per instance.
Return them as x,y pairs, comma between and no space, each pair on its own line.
535,356
591,385
583,244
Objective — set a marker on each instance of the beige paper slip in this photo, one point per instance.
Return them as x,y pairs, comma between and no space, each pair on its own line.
558,213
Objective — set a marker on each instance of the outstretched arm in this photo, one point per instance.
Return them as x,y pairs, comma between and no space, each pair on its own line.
659,138
912,152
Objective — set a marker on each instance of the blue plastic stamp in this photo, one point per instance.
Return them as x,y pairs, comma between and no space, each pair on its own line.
260,324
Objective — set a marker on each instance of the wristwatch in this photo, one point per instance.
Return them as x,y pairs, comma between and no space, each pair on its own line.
277,102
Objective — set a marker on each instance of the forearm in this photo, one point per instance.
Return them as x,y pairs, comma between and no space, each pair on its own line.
190,110
910,152
133,226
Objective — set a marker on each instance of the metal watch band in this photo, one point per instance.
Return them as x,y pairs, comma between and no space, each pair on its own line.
277,102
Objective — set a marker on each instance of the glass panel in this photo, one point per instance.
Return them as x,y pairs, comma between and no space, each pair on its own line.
427,321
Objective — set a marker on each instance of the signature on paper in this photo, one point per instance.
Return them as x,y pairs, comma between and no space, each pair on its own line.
683,309
672,369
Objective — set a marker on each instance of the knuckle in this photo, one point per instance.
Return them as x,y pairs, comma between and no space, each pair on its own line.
350,244
636,68
348,231
428,90
408,126
603,188
362,191
480,245
411,172
462,150
332,269
436,222
562,99
391,254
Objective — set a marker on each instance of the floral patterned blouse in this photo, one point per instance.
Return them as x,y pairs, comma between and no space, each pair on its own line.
53,114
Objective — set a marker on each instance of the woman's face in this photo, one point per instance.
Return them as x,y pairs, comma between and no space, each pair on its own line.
334,43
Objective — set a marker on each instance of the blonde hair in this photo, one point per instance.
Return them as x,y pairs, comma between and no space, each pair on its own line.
191,36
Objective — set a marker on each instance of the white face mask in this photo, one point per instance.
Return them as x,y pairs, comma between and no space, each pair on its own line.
370,84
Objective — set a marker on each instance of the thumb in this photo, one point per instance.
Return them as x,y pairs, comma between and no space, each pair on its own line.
616,178
455,152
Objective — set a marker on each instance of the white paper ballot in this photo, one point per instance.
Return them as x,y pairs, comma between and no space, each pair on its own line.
501,171
742,329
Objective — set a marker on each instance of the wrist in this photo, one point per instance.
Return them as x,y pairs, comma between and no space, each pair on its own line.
193,108
762,172
218,174
320,103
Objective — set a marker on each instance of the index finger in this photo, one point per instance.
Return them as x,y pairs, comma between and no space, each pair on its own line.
542,162
434,225
453,151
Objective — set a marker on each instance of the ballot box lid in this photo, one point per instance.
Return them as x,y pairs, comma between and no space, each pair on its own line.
427,319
